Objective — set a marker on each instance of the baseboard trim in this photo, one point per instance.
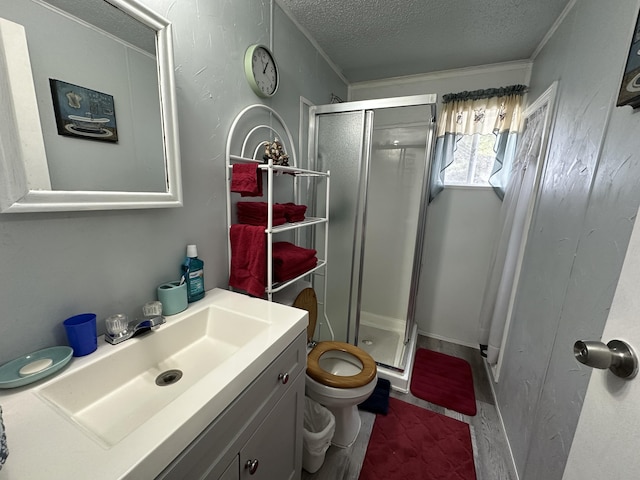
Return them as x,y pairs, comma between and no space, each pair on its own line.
450,340
488,369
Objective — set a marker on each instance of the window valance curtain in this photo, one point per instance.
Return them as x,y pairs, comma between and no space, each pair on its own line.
494,110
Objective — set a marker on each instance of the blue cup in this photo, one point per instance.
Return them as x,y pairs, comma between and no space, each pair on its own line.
82,333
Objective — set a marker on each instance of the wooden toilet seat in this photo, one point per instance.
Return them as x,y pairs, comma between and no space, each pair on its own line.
366,375
307,300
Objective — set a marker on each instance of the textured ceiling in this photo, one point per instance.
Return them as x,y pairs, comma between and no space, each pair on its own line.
374,39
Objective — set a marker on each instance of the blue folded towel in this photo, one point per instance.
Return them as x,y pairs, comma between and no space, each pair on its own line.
378,402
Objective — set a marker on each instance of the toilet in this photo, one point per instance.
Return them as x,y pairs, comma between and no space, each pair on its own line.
339,375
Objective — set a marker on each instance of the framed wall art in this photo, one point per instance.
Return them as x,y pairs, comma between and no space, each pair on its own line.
630,88
83,113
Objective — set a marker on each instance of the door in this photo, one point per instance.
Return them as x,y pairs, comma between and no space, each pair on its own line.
340,139
378,153
607,439
274,452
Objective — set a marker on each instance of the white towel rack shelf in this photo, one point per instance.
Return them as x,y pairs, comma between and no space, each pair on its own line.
254,138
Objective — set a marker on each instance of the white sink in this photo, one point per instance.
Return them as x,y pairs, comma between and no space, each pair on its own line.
118,393
103,416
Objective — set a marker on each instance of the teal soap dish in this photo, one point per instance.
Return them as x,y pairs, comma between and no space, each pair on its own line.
34,366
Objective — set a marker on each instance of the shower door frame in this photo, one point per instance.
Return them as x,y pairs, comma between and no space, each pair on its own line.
367,107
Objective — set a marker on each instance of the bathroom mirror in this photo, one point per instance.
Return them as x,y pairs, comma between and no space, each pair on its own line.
90,122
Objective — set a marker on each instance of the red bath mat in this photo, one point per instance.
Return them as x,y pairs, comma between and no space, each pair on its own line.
411,443
444,380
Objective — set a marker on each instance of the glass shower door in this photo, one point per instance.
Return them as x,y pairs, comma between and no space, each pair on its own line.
392,250
340,143
379,160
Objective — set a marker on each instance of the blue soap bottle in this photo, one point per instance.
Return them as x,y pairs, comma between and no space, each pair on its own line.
193,272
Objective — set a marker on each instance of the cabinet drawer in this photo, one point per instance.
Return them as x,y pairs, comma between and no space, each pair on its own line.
275,378
215,447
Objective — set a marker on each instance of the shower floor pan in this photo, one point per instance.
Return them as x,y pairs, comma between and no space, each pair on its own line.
400,379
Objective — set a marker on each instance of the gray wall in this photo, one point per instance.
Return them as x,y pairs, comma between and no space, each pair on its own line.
58,264
580,233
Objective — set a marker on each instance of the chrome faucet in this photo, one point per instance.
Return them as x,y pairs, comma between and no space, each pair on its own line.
119,329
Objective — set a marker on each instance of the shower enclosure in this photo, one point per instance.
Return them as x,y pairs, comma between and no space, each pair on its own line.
379,154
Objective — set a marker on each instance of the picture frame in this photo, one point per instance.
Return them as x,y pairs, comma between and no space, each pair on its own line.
630,88
83,113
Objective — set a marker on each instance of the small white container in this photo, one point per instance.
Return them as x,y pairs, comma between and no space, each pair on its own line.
319,425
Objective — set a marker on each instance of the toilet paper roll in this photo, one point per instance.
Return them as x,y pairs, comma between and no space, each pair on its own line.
173,297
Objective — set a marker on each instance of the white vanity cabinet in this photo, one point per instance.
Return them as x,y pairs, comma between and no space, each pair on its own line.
259,436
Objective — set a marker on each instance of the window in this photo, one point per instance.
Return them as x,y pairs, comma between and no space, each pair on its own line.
472,161
470,126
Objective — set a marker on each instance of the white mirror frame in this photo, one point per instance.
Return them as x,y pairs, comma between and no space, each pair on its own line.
21,140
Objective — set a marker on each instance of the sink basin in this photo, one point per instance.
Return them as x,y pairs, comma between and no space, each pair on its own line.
114,395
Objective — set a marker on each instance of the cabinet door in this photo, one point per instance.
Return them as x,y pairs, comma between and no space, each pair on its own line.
232,472
275,449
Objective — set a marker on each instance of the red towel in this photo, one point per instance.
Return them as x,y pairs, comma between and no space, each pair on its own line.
289,260
288,252
248,270
284,273
294,213
255,213
246,179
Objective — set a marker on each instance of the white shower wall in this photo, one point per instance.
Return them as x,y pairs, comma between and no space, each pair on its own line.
392,207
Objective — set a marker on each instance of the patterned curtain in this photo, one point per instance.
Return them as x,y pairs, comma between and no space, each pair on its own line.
495,110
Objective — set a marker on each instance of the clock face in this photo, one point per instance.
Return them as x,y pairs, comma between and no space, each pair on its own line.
262,72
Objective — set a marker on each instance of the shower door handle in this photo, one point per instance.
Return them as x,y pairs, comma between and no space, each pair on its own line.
616,355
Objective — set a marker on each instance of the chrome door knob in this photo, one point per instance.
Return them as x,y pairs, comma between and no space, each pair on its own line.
284,378
616,355
252,466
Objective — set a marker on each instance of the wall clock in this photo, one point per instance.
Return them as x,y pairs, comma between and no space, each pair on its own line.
261,70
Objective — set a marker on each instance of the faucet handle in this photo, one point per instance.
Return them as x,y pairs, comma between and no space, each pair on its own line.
152,309
117,324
